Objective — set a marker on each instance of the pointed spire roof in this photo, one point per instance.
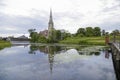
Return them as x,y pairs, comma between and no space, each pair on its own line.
50,19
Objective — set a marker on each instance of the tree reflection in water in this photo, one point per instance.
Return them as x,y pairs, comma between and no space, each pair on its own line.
53,50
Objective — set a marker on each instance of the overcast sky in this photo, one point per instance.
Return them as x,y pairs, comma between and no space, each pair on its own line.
17,16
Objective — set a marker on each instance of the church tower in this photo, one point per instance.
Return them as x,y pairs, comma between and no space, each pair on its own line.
50,26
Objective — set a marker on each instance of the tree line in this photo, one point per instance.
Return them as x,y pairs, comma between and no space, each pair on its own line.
88,32
59,35
95,32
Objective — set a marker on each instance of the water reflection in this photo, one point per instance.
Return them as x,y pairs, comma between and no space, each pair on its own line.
52,52
55,63
58,49
107,54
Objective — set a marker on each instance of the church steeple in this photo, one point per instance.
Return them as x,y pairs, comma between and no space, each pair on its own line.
50,19
50,25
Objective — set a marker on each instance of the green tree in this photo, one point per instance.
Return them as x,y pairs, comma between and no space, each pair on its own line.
107,33
89,31
42,39
116,32
81,32
97,31
65,35
57,35
34,37
31,31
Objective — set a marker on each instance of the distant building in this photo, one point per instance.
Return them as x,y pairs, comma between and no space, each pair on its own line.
22,37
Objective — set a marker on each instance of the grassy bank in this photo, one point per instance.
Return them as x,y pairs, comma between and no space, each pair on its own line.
4,44
84,40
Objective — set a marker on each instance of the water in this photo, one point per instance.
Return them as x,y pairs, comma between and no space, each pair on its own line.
32,62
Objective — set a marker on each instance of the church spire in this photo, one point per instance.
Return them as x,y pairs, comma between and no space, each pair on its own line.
50,25
50,19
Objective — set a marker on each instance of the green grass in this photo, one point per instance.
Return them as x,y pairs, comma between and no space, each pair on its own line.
85,40
4,44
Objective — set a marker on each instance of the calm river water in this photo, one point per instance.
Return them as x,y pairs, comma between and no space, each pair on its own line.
30,62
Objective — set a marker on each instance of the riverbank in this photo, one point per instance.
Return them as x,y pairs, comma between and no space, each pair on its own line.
84,40
4,44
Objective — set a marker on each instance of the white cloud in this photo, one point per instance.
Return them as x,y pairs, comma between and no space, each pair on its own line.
13,34
23,7
67,14
10,28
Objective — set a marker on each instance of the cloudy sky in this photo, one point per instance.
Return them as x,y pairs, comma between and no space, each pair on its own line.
17,16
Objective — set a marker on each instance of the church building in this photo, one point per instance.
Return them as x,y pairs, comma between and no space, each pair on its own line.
50,32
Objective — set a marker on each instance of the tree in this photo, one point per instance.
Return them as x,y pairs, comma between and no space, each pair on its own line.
103,32
97,31
57,35
42,39
65,35
107,33
81,32
115,32
34,37
89,31
31,32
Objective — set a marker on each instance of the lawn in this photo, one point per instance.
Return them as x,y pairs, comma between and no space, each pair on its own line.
85,40
4,44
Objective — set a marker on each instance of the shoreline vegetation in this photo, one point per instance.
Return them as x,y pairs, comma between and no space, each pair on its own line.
79,41
4,44
84,40
83,36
